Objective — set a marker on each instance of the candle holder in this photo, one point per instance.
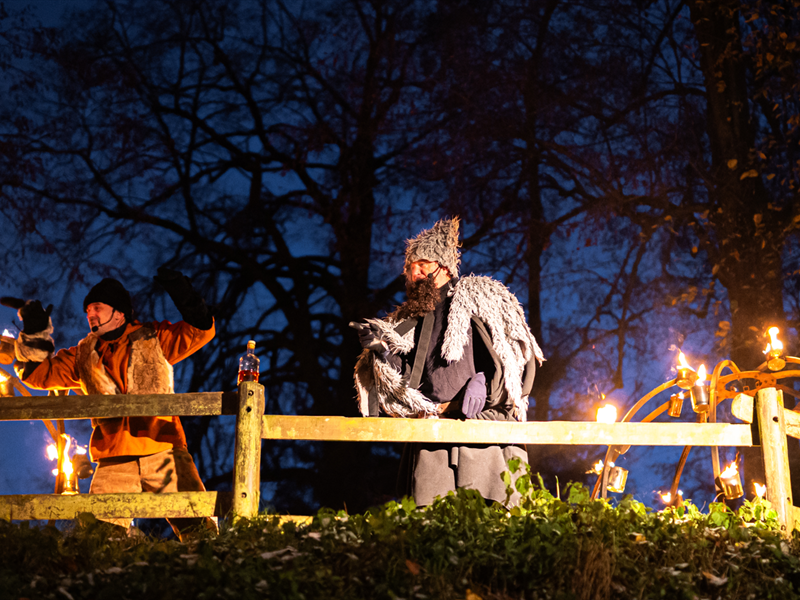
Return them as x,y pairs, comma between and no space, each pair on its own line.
675,405
686,378
699,396
617,478
774,360
731,486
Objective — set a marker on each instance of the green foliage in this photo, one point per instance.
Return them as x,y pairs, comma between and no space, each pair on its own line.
459,547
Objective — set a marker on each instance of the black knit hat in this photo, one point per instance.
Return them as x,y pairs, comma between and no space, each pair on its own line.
112,292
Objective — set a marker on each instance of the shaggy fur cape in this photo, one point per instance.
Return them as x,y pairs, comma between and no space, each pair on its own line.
480,297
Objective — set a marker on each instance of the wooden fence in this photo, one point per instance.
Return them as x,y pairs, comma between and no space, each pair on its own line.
768,426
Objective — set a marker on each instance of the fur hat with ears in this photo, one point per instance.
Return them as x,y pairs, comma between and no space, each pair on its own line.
112,292
438,244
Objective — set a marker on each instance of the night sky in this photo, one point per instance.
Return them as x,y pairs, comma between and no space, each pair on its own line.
24,468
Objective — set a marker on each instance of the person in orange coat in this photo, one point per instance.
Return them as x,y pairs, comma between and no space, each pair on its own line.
120,355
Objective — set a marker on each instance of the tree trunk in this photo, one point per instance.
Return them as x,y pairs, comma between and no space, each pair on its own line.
743,244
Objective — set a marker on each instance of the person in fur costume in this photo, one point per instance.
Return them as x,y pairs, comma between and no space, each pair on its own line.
457,348
120,355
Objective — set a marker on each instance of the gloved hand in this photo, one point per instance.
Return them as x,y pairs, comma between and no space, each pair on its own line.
474,396
368,339
192,307
176,283
34,317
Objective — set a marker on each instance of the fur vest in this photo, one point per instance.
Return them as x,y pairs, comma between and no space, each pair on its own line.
148,371
473,297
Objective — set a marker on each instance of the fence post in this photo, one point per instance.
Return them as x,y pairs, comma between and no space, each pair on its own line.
775,450
247,454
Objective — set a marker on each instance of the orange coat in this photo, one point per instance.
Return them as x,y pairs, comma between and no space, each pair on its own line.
126,436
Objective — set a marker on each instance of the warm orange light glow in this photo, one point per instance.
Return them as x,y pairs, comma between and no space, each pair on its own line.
701,374
66,464
730,471
761,490
8,334
607,414
774,342
666,497
3,377
52,452
682,360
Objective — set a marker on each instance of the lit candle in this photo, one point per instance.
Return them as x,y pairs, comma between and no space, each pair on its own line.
617,477
686,374
761,490
729,482
774,351
699,392
607,414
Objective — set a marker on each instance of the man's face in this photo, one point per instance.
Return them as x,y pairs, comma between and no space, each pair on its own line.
103,317
420,269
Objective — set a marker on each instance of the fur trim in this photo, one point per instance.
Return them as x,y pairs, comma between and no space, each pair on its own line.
395,398
386,333
438,244
493,303
35,347
92,373
148,369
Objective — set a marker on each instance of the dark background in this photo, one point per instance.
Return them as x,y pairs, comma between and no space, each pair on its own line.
629,169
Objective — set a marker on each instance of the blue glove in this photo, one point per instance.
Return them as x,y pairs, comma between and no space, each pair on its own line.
474,396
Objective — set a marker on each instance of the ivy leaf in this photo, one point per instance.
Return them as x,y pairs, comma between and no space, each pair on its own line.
750,173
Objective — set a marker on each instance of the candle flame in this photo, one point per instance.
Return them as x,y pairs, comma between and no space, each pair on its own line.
66,464
8,334
4,377
730,471
701,374
682,360
52,454
761,490
774,342
597,468
607,414
666,497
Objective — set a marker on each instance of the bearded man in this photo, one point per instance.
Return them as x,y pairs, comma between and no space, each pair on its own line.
458,348
120,355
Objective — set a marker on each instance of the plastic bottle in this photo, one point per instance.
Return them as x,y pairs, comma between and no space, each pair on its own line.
249,364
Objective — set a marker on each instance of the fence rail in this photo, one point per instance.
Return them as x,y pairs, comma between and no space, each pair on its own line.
578,433
252,426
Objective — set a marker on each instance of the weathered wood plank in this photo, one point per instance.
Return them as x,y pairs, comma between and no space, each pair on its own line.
26,408
742,408
286,427
247,450
53,506
775,450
